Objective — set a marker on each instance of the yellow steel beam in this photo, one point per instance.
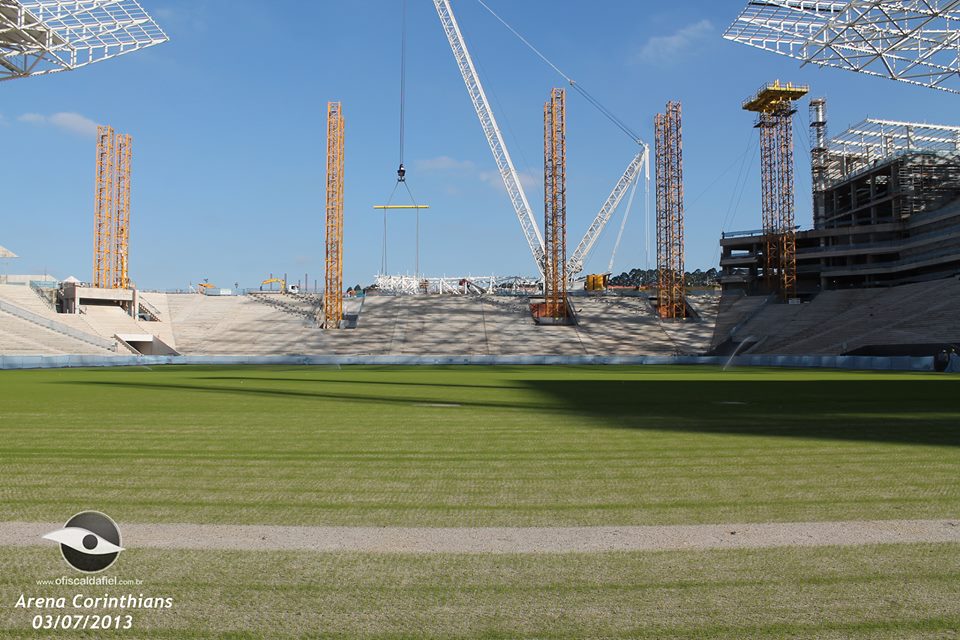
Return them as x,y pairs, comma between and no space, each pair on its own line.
401,206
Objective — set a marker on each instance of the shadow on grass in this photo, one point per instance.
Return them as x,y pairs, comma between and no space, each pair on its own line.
925,412
922,412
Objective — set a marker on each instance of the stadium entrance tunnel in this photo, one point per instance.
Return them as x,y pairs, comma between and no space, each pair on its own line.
924,411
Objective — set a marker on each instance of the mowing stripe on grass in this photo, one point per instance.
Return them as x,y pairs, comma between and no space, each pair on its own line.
510,539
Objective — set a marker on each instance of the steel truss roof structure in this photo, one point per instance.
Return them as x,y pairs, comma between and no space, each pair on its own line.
877,139
38,37
913,41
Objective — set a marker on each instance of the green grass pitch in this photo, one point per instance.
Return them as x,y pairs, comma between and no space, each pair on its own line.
498,446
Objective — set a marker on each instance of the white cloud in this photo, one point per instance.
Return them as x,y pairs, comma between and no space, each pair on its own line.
468,167
663,49
527,180
71,122
444,163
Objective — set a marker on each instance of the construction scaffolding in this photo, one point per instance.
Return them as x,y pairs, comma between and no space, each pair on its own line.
818,158
912,41
333,274
555,206
670,250
774,105
111,216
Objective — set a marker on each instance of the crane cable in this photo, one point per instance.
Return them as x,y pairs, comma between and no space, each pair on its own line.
623,223
401,170
620,124
403,85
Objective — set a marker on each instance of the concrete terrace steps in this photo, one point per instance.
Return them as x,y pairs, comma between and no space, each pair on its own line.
734,313
837,322
881,308
435,325
19,336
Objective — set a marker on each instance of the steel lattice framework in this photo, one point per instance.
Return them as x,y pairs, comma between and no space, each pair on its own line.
111,215
913,41
333,275
875,139
555,205
38,37
669,179
774,105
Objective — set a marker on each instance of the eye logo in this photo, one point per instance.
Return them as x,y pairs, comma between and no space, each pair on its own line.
89,542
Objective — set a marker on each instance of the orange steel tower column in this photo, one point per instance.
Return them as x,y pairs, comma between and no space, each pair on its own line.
103,209
671,288
121,230
333,291
774,106
555,205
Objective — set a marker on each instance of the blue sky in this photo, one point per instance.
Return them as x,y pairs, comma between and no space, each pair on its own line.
228,121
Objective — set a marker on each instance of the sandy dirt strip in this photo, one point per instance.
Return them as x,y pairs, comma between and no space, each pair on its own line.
506,539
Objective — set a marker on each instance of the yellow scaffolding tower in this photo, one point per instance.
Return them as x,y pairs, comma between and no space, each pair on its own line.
671,287
121,245
774,106
333,291
555,205
103,209
111,214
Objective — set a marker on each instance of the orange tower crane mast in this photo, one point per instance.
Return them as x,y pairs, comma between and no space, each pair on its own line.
333,289
555,205
774,105
670,241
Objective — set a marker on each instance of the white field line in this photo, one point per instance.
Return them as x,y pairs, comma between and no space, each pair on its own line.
507,539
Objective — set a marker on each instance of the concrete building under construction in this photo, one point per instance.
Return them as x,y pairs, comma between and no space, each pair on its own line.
886,211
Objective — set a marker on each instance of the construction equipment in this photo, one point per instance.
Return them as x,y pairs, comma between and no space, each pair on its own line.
640,162
293,288
773,105
671,303
555,205
333,273
508,172
402,170
111,216
597,282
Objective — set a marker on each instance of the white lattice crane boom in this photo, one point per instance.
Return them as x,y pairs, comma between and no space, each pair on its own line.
578,259
508,172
